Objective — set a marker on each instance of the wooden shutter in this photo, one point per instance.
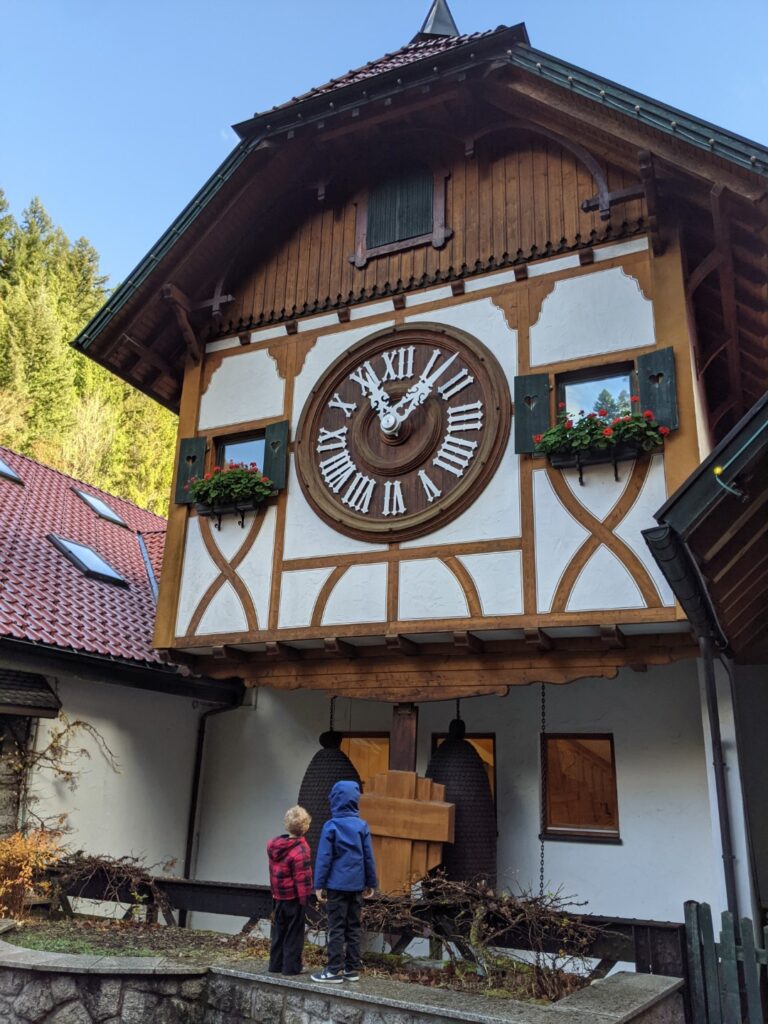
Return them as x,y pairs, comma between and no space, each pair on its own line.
276,453
191,463
531,409
400,208
657,387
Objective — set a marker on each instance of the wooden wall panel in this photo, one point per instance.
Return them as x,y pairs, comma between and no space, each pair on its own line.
516,193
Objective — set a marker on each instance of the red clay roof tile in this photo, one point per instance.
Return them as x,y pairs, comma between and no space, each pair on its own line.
44,598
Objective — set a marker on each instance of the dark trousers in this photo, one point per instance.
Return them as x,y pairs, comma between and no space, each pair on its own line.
344,930
287,937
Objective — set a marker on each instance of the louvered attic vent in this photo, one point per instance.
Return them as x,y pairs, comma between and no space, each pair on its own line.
101,508
87,561
401,207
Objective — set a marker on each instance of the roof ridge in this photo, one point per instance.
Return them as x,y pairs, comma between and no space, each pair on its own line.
84,483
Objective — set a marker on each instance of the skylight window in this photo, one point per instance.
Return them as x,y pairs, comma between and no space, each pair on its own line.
8,473
101,508
87,561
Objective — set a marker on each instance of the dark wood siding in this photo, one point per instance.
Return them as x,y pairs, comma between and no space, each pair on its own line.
516,195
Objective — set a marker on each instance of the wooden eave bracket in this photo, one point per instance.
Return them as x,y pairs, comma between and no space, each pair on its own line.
181,308
650,186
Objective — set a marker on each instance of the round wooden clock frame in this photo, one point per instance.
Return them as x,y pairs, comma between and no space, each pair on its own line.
381,462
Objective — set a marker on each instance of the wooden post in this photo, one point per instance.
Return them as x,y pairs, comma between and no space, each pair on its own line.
403,737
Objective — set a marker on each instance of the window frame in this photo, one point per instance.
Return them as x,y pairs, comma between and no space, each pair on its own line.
601,372
220,441
115,518
7,472
438,236
60,543
574,835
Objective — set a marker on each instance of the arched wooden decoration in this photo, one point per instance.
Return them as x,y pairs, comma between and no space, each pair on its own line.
409,822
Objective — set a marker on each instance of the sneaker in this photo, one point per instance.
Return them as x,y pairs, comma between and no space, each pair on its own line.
328,976
351,975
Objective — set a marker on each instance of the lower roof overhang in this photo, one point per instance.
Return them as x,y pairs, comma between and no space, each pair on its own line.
27,694
712,541
26,656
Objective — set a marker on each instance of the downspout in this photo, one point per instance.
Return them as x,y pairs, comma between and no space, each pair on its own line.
706,646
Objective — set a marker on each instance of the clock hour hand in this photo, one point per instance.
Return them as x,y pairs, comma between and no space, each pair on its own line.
371,387
419,392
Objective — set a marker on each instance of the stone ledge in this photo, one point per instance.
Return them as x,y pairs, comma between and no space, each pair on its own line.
20,958
615,1000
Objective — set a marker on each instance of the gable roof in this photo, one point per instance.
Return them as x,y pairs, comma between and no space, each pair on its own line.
112,337
44,598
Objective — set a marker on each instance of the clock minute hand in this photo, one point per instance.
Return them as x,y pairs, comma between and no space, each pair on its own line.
420,391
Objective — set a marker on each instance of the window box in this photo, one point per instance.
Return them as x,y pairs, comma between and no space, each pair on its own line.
218,511
626,451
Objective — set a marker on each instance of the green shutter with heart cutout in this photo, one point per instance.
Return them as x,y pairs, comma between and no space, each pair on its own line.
531,409
276,453
656,385
191,463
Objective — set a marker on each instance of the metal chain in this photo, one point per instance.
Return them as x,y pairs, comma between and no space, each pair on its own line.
458,708
543,787
333,713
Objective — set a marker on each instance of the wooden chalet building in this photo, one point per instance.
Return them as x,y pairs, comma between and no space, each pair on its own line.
388,288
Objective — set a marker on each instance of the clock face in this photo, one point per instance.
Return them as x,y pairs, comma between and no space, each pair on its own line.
403,432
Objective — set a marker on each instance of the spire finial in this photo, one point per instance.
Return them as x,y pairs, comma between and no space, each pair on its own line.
439,21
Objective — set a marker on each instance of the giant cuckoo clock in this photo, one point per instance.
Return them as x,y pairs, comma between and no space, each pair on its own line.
403,432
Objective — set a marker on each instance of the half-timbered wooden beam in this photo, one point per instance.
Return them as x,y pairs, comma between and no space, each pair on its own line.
403,737
181,309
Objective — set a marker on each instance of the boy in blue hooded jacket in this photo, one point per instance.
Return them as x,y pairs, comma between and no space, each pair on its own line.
346,870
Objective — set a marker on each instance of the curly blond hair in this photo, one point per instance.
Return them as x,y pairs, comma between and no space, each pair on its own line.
297,820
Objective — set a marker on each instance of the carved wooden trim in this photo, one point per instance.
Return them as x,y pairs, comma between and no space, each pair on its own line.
398,554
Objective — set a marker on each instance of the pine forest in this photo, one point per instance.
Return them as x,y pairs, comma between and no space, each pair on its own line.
56,405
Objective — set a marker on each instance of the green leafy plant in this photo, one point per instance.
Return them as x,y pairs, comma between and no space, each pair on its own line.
237,484
601,431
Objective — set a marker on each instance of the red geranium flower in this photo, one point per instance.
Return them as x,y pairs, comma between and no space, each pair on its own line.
561,405
617,419
602,412
634,398
648,415
207,476
627,419
217,469
592,416
608,432
663,431
568,424
537,438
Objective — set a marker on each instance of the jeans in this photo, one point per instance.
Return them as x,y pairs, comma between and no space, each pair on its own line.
287,937
344,930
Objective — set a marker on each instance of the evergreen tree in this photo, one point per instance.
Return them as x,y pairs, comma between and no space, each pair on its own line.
56,405
613,406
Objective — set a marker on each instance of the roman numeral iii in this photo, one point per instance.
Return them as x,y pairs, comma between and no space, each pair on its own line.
465,417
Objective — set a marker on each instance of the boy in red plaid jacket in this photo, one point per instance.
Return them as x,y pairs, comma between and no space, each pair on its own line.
290,876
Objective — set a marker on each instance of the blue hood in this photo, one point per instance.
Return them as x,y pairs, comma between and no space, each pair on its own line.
344,799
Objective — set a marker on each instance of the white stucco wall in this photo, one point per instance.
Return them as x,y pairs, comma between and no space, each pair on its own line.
256,757
142,809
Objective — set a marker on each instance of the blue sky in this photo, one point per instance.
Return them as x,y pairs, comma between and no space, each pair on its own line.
115,114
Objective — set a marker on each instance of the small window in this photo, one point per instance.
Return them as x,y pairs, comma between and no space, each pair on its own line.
9,474
368,752
579,778
402,210
608,388
101,508
485,744
87,561
241,449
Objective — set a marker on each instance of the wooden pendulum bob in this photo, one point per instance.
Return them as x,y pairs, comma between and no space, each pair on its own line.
329,766
458,766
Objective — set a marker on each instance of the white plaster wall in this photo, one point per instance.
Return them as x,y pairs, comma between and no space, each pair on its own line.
640,517
498,577
256,758
557,538
199,571
142,809
429,590
604,582
359,596
598,312
246,386
299,591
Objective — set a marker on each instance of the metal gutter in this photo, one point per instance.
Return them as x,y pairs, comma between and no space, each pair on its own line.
147,565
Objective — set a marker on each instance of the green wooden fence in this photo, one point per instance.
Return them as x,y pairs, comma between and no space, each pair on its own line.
724,977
